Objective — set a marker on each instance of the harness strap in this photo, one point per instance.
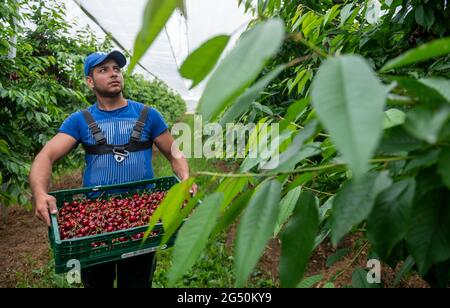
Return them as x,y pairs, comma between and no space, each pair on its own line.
96,149
102,147
139,126
96,131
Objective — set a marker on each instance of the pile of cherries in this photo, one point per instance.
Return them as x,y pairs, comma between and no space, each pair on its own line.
90,217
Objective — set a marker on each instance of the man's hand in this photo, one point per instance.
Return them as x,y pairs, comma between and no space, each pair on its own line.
193,189
41,172
42,204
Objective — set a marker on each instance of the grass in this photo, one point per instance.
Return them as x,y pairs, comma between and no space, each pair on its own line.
43,277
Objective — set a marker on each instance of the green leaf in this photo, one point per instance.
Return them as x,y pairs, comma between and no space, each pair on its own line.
170,205
331,14
309,282
349,101
397,140
286,158
193,235
328,285
4,147
426,123
339,254
255,228
185,211
345,13
175,200
297,240
393,117
244,101
301,179
426,93
156,14
287,206
436,48
424,16
199,63
359,279
444,166
308,150
265,147
423,160
407,266
354,202
232,211
230,188
389,221
325,208
294,111
428,239
262,108
441,85
241,67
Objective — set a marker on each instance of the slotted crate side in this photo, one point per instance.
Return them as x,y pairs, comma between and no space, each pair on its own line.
81,249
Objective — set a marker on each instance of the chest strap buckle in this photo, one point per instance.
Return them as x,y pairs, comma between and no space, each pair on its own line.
120,154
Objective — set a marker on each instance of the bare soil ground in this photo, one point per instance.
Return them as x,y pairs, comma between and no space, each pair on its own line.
24,243
340,272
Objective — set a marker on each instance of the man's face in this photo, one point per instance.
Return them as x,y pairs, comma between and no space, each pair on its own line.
106,79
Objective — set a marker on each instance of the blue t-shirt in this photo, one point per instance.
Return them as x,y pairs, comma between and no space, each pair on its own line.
117,126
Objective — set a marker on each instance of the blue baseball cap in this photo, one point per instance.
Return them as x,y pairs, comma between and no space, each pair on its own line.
96,58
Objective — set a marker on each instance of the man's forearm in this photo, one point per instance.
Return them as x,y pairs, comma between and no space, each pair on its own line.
180,167
40,175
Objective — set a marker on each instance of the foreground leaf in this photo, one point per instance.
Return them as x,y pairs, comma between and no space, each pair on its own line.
199,63
255,228
389,220
156,14
444,166
193,236
428,239
424,52
354,202
426,123
170,205
349,101
441,85
422,89
241,67
287,206
231,187
183,214
297,240
232,212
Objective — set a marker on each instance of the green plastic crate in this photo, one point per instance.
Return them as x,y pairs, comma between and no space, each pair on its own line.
81,249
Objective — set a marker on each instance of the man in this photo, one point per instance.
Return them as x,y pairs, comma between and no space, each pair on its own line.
117,135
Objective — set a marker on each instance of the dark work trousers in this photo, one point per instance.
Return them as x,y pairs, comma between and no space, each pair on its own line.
134,272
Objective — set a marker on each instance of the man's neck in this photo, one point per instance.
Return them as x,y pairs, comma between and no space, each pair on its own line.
111,103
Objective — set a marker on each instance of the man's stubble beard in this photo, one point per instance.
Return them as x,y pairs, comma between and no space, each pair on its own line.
109,94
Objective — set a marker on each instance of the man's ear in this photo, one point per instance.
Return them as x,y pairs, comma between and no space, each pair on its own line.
90,82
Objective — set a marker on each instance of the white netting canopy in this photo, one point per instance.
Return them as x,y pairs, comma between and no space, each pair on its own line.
181,35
